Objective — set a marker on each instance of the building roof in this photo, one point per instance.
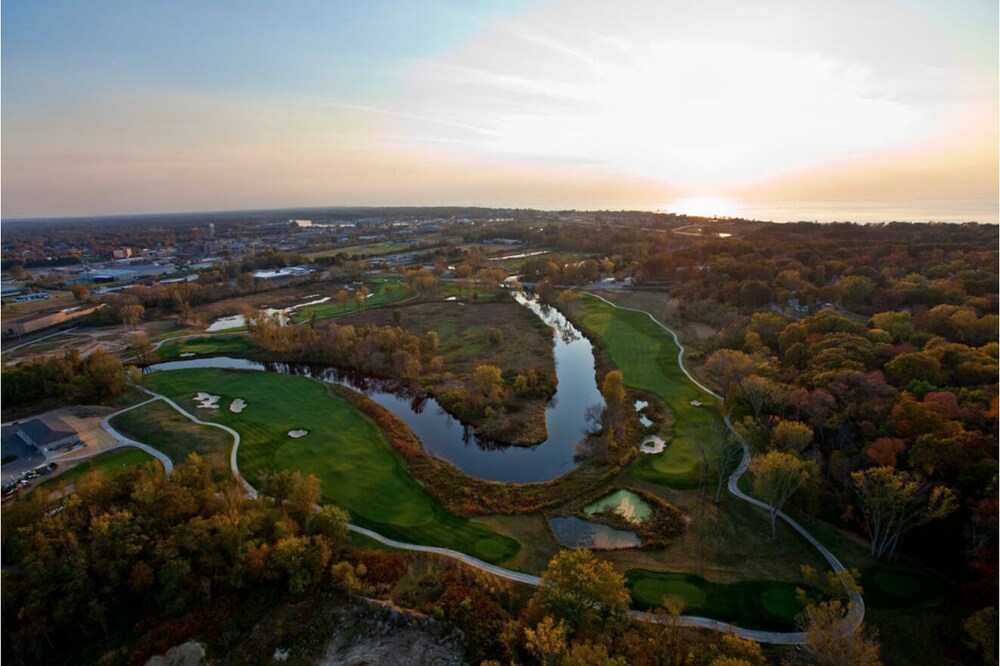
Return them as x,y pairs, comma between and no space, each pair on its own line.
42,434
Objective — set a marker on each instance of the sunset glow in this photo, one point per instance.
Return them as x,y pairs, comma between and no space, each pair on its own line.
142,107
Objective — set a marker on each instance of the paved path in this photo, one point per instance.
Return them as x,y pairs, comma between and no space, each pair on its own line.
852,621
123,441
856,614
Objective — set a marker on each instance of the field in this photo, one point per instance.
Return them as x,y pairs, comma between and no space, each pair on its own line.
205,346
344,449
362,251
111,463
385,291
647,355
752,604
162,427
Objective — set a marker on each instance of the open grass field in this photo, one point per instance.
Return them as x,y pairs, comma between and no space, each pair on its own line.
361,251
752,604
344,449
205,346
162,427
384,291
111,463
647,355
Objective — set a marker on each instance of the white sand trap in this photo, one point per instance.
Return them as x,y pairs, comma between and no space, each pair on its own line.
207,400
295,434
696,403
652,444
641,405
187,354
646,423
238,405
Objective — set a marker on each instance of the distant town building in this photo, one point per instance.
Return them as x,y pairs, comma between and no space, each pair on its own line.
211,230
121,252
40,296
52,436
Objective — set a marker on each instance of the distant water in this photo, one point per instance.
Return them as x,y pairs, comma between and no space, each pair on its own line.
862,211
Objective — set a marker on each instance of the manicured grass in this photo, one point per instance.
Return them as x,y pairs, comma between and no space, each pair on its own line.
344,449
162,427
111,463
370,250
897,585
752,604
385,291
647,355
205,346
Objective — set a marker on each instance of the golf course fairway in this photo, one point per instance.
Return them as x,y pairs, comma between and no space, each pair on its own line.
345,450
647,356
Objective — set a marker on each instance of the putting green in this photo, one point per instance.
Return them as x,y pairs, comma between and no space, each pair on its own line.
754,604
204,346
344,449
647,356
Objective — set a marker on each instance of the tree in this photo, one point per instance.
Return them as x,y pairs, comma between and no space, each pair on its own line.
361,296
132,314
488,379
547,641
577,583
613,388
728,366
80,292
895,502
727,458
791,436
140,345
777,476
981,628
830,643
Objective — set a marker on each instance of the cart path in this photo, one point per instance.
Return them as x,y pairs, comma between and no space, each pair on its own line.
856,612
851,622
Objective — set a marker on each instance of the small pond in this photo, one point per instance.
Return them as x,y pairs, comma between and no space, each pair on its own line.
577,533
625,503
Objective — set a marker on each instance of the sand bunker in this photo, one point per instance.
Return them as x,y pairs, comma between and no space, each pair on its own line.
695,403
652,444
207,400
187,354
645,422
295,434
238,405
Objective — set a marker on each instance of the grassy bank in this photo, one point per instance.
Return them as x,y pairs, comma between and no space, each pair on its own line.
647,355
111,463
162,427
344,449
205,346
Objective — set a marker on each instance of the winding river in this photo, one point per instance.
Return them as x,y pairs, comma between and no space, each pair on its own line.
445,436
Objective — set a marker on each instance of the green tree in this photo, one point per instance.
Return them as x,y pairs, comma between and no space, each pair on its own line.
777,476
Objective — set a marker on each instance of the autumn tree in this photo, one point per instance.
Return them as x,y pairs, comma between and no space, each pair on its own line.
894,502
791,436
576,583
547,641
488,380
777,476
831,642
727,367
80,292
132,314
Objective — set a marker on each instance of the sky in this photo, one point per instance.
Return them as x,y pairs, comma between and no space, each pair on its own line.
714,107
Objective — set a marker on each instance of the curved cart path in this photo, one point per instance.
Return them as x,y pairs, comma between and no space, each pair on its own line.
851,622
856,613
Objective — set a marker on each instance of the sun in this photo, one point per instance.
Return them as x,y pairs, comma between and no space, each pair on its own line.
703,207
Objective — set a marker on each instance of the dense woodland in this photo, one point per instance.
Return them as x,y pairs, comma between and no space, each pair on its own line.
862,358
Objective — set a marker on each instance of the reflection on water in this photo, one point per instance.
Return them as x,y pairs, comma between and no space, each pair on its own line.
445,436
577,533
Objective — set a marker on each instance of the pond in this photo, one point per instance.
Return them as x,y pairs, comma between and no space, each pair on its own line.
625,503
577,533
444,436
